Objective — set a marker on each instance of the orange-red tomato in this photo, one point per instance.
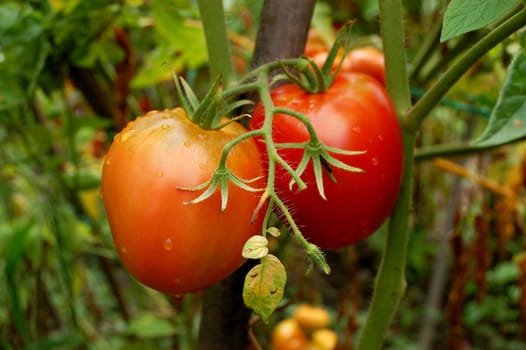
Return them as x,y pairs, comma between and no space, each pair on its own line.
325,339
166,244
288,335
312,317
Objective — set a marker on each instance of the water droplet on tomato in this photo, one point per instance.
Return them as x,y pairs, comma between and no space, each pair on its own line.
375,161
380,137
178,297
108,161
202,136
168,244
356,129
165,126
202,166
124,250
160,173
177,281
187,143
127,134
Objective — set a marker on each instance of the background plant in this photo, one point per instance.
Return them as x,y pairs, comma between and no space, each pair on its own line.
73,73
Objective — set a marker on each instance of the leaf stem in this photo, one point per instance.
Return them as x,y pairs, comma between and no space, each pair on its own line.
456,149
425,50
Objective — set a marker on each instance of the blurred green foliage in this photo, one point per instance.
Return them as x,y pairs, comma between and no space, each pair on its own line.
62,284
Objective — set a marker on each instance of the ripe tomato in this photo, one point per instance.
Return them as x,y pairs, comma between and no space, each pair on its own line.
355,113
368,60
325,339
311,317
167,245
288,335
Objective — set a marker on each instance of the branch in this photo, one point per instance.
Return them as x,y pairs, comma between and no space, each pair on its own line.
283,30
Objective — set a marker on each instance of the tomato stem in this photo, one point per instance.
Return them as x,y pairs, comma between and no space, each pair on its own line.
218,47
208,113
274,201
390,282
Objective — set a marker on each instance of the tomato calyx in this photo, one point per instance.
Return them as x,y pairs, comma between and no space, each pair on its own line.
319,154
222,176
314,79
220,179
209,115
208,112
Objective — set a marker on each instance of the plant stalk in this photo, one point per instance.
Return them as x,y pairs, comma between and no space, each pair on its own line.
390,280
397,81
390,283
220,58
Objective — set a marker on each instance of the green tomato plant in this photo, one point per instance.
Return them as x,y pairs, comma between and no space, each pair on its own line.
505,126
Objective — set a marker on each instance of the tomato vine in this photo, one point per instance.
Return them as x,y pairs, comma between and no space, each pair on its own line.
320,156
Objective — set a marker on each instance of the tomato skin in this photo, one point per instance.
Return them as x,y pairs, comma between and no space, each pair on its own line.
165,244
355,113
368,60
311,317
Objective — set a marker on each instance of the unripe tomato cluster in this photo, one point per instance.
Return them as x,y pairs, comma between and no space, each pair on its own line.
305,330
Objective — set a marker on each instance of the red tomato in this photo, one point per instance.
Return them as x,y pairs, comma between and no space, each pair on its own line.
368,60
355,113
315,43
167,245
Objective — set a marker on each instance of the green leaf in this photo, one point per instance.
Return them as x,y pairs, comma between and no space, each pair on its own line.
264,286
11,92
504,273
15,250
508,119
150,326
180,41
463,16
176,27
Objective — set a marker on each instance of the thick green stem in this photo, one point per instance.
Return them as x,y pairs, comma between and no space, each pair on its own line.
395,56
213,18
437,91
390,280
